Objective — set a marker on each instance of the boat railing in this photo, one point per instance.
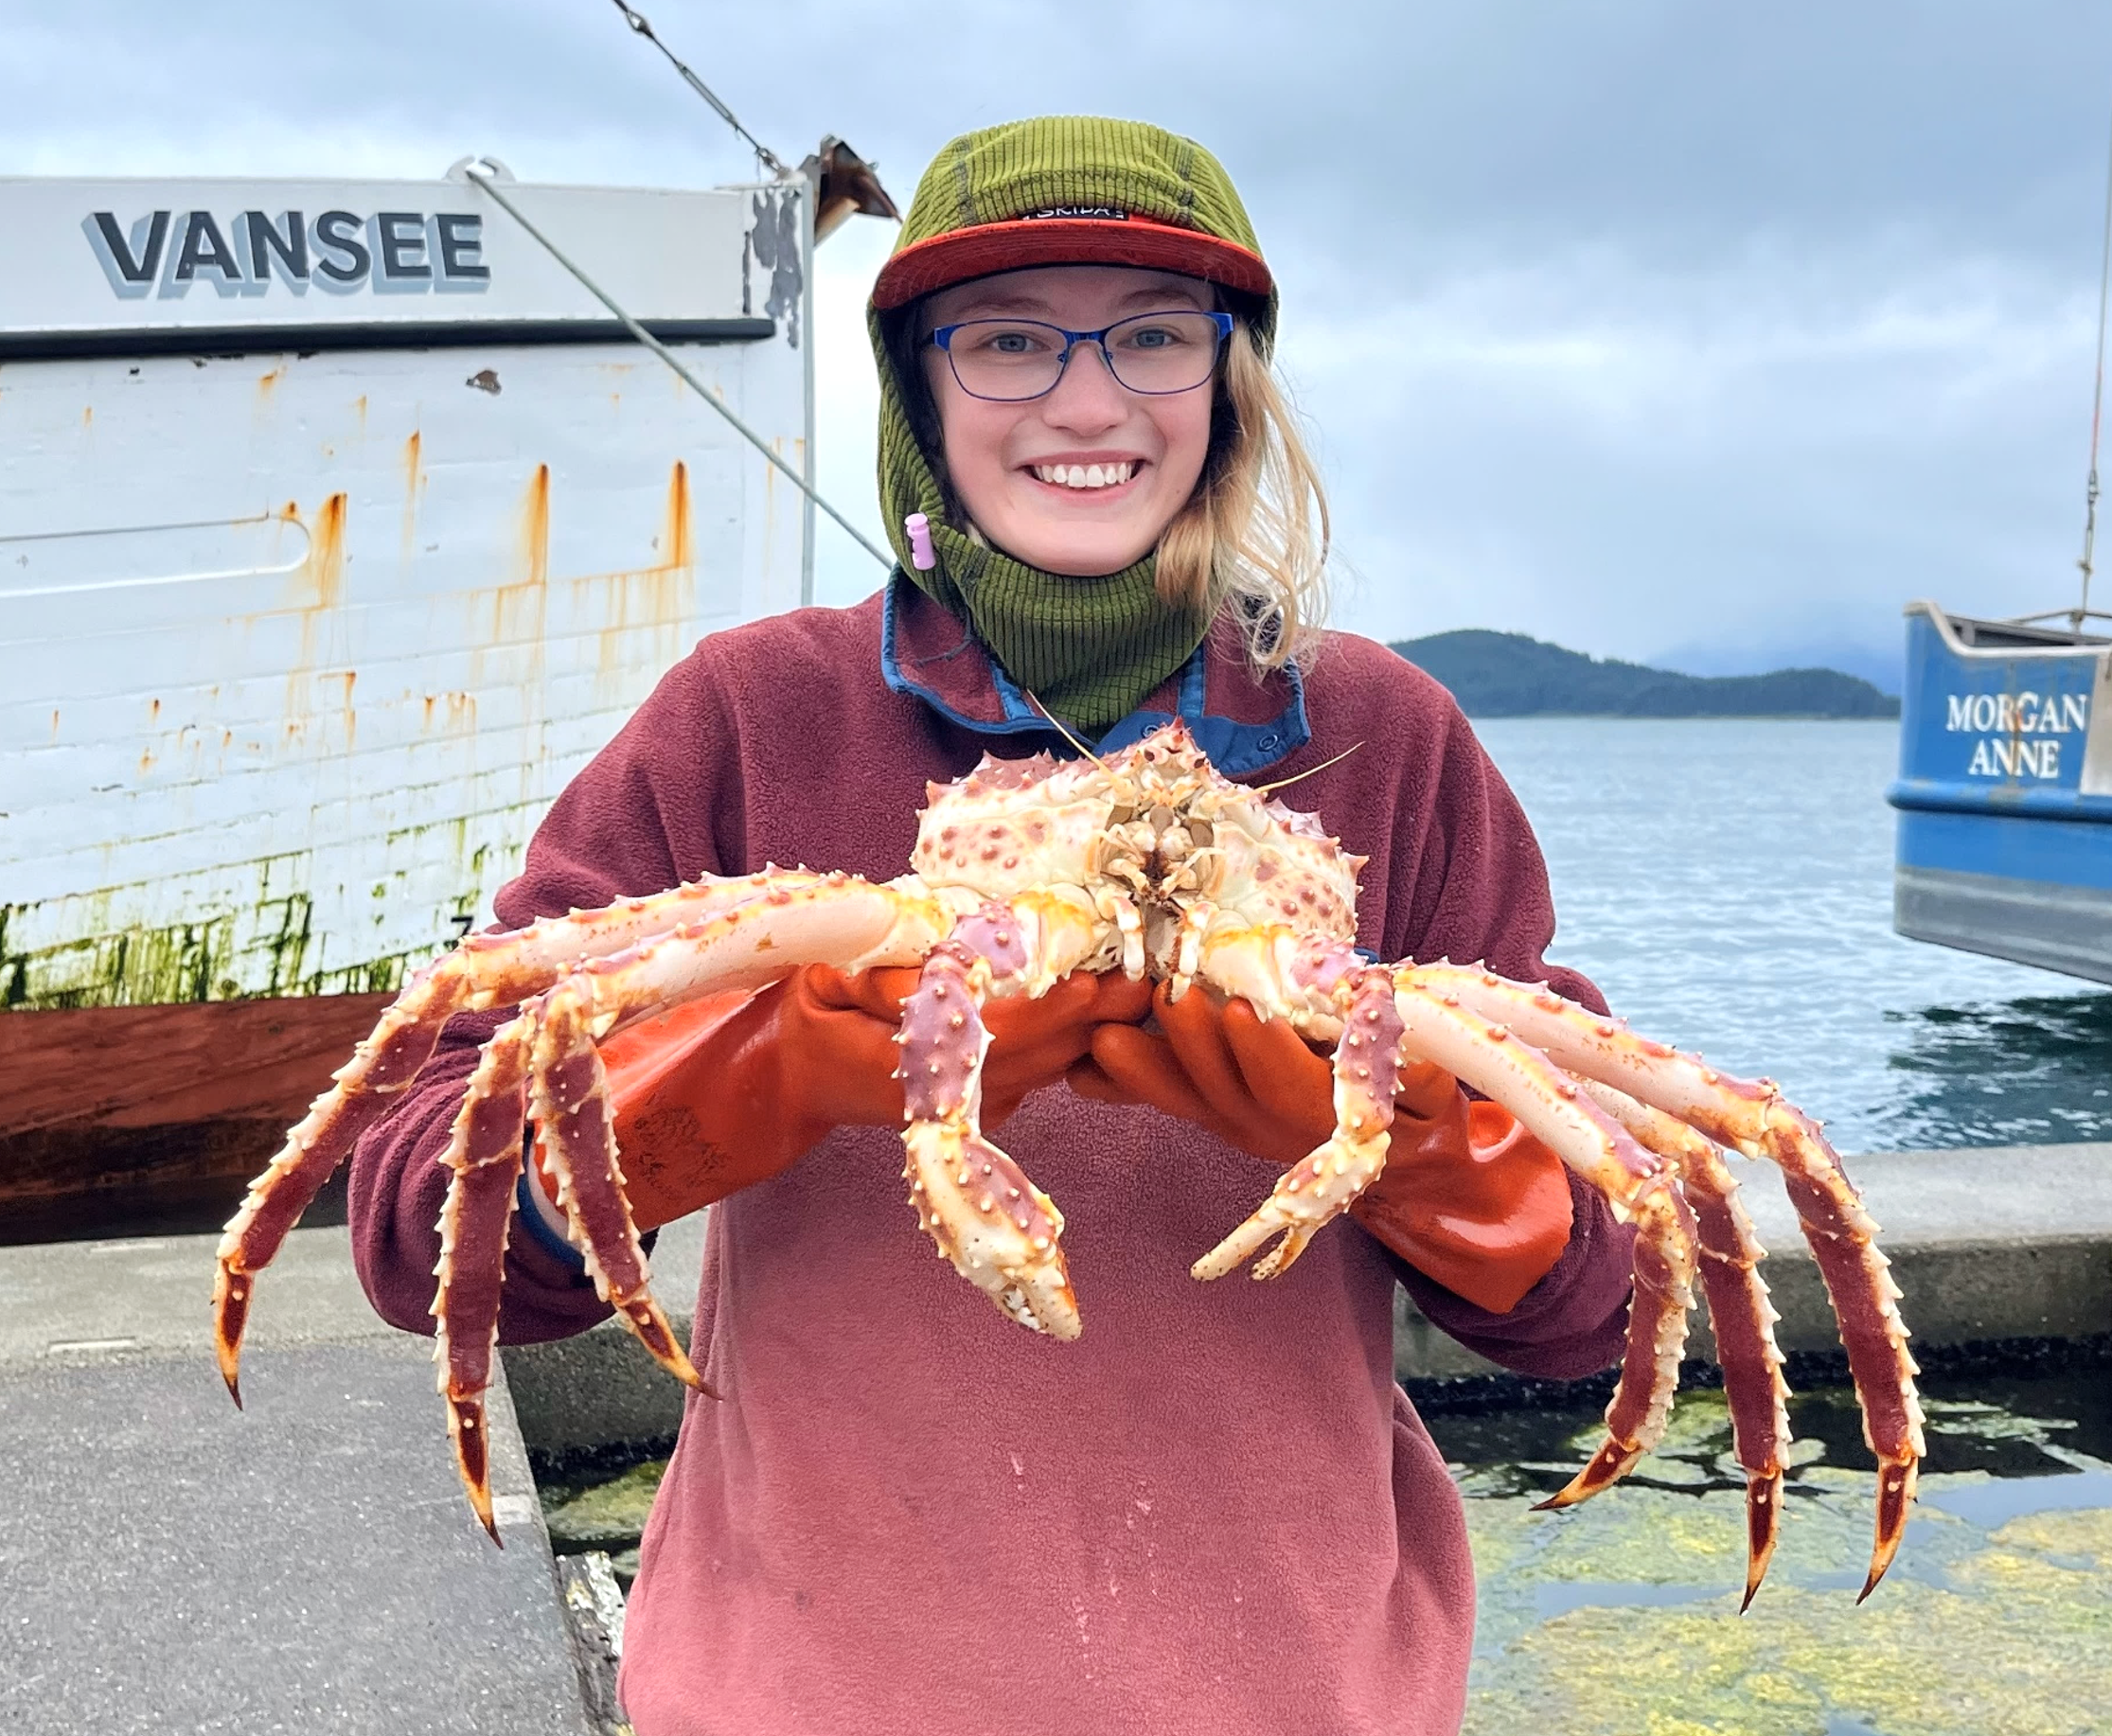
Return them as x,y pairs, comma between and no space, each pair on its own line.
1968,633
2074,617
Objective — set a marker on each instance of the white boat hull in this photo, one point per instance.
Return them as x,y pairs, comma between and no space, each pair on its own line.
301,645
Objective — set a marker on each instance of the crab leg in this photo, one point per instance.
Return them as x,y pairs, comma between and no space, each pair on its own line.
1739,1311
1324,1185
1001,1231
1273,967
485,970
833,920
484,1156
1504,1067
1754,1118
1635,1417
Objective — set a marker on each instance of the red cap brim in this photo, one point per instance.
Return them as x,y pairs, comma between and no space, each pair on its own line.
962,254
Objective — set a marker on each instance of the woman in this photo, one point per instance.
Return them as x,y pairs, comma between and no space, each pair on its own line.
1216,1511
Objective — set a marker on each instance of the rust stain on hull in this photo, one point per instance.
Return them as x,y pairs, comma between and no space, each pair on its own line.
319,581
326,560
318,592
538,526
453,714
414,489
521,610
678,517
655,597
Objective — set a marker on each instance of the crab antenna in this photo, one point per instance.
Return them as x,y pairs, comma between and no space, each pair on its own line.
1056,724
1262,790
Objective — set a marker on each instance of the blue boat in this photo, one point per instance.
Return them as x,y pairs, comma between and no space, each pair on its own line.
2005,790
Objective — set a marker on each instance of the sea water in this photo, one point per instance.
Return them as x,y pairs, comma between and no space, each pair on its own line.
1728,883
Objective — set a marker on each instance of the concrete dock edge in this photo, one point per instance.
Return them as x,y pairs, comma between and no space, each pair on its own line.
1990,1244
1987,1244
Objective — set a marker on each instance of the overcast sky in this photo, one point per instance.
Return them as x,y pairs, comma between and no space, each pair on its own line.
1682,332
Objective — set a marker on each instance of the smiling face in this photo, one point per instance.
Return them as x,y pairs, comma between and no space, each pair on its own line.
1083,480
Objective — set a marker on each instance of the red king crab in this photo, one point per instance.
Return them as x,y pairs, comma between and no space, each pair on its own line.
1151,862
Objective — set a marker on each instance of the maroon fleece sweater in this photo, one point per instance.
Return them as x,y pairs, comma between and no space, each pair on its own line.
908,1518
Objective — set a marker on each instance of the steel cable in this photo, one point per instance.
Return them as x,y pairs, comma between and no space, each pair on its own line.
478,174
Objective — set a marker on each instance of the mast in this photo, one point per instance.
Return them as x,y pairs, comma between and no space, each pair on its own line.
2082,610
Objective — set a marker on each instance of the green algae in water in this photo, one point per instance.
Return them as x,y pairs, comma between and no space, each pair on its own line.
1620,1617
606,1514
2017,1642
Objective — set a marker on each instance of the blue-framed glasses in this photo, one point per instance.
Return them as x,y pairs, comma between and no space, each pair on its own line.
1008,361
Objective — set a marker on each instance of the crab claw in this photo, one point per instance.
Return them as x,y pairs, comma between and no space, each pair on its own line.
1325,1184
1895,1494
1311,1194
1000,1230
1762,1518
473,1458
231,1293
1608,1467
651,1327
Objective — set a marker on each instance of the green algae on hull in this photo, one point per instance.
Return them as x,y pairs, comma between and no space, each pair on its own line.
264,951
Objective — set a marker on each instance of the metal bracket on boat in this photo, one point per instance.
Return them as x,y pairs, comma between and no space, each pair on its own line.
480,172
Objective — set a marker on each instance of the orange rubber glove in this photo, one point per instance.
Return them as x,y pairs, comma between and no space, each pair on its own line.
1467,1196
722,1092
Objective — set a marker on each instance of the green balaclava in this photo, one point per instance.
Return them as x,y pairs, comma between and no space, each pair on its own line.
1056,190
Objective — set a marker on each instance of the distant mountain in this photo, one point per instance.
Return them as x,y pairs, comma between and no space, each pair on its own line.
1882,667
1508,675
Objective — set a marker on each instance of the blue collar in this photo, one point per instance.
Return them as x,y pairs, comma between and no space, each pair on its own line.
965,686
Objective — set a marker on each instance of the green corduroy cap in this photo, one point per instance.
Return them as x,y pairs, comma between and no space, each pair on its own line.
1058,190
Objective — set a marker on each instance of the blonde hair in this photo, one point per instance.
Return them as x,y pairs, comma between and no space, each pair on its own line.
1255,533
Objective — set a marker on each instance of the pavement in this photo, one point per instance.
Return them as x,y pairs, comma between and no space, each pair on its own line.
309,1564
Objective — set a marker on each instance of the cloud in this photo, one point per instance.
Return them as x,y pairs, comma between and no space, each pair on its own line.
1631,460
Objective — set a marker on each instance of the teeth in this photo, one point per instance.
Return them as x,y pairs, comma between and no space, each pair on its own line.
1086,475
